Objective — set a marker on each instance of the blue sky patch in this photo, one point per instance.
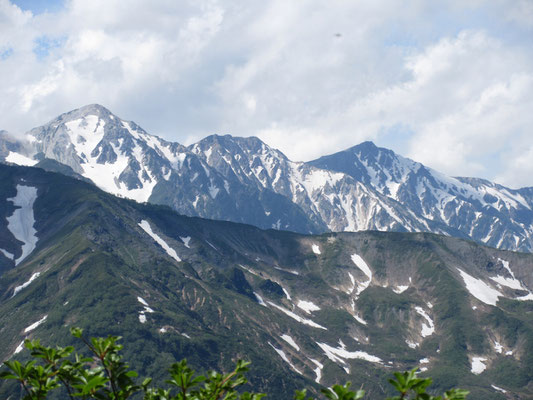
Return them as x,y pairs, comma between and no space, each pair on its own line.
43,45
5,53
40,6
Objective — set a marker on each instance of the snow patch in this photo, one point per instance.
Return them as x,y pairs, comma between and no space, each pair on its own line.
400,289
35,324
186,241
19,159
287,270
170,251
260,300
210,244
509,282
297,317
340,354
26,284
316,249
213,191
318,370
499,389
19,348
429,328
412,345
480,290
308,306
147,309
477,365
7,254
21,222
287,295
284,357
291,341
498,347
142,301
362,265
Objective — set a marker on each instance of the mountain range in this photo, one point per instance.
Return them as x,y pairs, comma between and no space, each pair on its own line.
307,310
244,180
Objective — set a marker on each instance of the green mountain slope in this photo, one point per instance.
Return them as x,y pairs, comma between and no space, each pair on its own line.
306,310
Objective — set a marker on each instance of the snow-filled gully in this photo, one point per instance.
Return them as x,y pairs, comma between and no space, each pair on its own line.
169,250
21,222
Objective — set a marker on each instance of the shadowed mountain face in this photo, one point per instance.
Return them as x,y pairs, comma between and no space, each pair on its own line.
244,180
306,310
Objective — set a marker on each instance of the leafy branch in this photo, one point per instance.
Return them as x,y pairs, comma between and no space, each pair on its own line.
105,376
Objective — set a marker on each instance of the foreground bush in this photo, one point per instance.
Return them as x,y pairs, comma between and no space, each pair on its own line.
105,376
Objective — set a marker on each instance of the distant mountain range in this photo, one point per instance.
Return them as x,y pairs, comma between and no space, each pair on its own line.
244,180
306,310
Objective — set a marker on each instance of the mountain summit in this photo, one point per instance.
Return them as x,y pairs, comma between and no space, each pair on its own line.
244,180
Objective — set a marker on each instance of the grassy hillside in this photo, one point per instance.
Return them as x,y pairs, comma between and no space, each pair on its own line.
95,262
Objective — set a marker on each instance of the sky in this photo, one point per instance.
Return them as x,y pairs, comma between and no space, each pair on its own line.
446,83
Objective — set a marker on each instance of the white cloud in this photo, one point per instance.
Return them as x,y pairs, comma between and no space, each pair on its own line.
307,77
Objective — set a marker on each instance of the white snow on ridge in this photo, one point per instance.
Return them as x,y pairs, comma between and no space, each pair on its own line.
429,328
170,251
316,249
477,365
291,341
284,357
307,306
480,290
19,159
26,284
297,317
21,222
35,324
287,295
